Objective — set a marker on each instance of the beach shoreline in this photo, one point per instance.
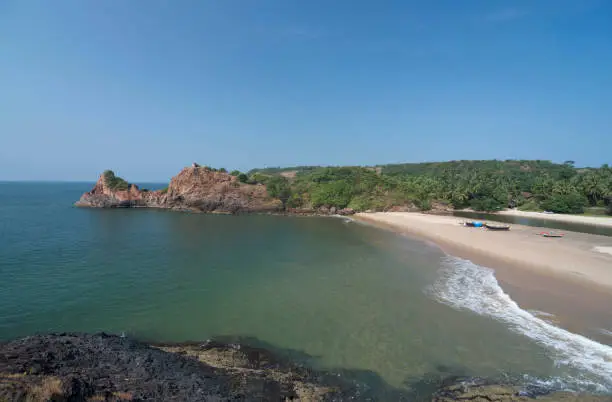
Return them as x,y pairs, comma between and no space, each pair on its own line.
574,257
540,274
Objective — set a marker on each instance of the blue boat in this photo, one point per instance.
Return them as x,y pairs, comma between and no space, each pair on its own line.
473,224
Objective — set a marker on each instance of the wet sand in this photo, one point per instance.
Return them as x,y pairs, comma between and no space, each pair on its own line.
564,277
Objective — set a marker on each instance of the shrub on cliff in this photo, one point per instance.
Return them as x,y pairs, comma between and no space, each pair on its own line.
278,187
114,182
243,178
333,194
235,173
297,200
257,178
360,203
424,204
375,202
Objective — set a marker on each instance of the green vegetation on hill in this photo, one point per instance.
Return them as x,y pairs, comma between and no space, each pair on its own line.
487,185
114,182
483,185
353,187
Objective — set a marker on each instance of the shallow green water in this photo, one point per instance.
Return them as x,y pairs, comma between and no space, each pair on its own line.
335,293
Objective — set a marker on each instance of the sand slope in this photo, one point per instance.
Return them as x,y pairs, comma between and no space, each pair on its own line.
573,257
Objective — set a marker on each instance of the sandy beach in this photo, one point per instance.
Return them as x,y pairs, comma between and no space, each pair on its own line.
569,278
577,257
585,220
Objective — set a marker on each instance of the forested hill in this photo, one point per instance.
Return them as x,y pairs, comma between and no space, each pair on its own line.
483,185
509,167
436,168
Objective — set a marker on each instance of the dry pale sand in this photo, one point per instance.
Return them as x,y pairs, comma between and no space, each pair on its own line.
573,257
585,220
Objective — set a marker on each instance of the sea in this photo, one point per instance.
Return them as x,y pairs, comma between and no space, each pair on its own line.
392,312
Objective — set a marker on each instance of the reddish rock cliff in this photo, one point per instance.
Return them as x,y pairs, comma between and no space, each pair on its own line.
194,188
204,190
102,196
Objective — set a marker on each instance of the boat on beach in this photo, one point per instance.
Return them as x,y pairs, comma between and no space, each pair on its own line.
496,227
551,234
473,224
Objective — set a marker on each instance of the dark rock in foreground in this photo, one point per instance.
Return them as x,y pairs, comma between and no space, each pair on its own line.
79,367
82,367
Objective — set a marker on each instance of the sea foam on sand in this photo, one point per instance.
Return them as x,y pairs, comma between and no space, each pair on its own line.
465,285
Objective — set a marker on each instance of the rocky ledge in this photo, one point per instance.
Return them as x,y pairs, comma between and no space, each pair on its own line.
84,367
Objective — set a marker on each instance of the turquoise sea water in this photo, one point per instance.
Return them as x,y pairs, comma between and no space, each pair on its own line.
337,294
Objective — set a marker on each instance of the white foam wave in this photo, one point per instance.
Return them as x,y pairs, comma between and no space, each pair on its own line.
465,285
569,383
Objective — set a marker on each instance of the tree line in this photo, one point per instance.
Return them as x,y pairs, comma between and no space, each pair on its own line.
486,185
481,185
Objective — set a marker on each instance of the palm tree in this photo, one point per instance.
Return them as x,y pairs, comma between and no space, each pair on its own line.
563,187
594,185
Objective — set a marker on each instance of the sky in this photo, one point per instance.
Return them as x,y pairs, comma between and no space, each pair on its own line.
146,87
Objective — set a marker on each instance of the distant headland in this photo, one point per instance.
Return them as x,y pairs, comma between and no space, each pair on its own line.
488,185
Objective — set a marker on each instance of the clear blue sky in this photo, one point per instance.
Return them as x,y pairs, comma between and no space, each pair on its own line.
147,87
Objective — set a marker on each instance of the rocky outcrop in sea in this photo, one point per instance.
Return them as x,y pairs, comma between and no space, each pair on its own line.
196,188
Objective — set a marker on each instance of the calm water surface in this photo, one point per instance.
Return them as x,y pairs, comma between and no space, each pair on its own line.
337,294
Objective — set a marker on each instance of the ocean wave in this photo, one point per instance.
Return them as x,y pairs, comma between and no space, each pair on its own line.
465,285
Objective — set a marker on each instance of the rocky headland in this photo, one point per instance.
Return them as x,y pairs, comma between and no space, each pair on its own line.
101,367
195,189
